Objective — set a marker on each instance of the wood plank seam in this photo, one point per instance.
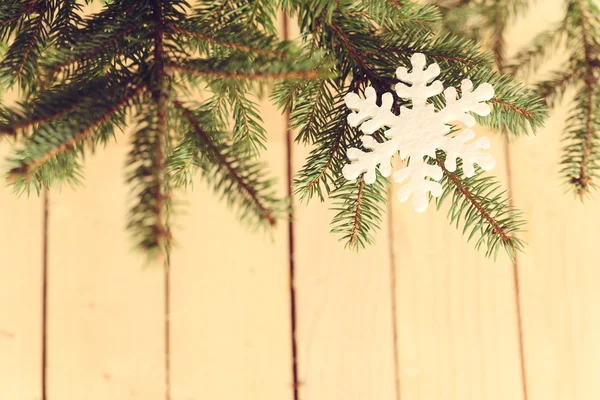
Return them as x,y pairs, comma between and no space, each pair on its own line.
393,293
516,282
292,266
44,366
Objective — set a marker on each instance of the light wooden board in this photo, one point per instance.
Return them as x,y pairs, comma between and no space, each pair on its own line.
229,296
560,271
560,275
105,305
344,308
20,292
345,330
457,329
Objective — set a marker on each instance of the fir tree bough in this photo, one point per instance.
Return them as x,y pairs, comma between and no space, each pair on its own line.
576,35
84,77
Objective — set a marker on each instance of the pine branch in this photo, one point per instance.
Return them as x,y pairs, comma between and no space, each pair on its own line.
241,174
11,15
28,166
160,237
91,51
61,100
219,40
208,69
359,208
483,208
584,179
529,59
248,133
355,231
20,61
553,89
326,159
517,110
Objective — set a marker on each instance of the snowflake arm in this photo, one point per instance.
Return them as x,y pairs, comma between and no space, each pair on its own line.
418,131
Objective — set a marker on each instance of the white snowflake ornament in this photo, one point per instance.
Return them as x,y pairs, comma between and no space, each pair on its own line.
418,131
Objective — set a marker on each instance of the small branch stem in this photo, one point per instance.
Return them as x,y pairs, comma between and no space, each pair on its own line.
205,137
357,211
498,230
243,75
83,134
584,179
226,43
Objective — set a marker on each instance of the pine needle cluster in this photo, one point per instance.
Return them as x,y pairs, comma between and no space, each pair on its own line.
576,35
86,77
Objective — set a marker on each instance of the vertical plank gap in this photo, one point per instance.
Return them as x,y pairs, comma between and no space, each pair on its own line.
393,294
167,319
516,281
44,366
290,225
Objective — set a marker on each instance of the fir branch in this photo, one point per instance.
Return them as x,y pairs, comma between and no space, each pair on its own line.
581,159
12,128
451,52
529,59
249,133
11,15
480,203
93,51
583,180
161,233
401,15
355,55
359,208
63,99
517,109
21,59
242,174
328,157
67,22
354,232
28,166
553,89
204,68
214,39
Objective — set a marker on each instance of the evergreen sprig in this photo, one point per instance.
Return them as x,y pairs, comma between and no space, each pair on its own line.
579,35
83,77
482,206
365,50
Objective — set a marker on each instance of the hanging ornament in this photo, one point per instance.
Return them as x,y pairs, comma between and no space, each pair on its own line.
418,131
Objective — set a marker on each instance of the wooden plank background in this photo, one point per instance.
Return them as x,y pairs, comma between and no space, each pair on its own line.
420,316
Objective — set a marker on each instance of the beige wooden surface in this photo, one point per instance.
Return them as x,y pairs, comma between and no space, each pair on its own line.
420,316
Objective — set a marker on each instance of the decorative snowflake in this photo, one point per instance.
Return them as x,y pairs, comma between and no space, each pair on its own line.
418,131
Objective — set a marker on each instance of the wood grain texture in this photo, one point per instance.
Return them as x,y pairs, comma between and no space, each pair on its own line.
457,329
560,271
20,293
229,295
455,314
345,330
105,304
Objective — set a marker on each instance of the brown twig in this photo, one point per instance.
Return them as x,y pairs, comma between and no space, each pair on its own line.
29,48
584,178
119,35
244,75
357,210
205,137
226,43
26,169
496,227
